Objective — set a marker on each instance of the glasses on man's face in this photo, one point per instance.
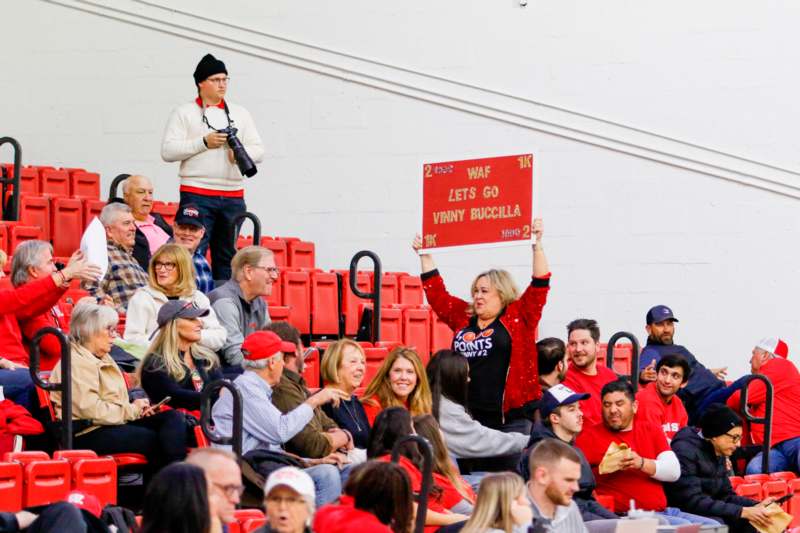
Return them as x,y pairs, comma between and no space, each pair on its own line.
736,439
231,491
272,271
167,267
219,81
112,331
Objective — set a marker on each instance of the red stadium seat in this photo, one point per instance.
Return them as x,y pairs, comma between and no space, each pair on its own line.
321,345
324,303
296,295
11,475
91,209
441,334
200,437
417,331
35,211
785,476
45,480
756,478
311,371
389,345
4,239
29,181
278,248
735,481
391,323
794,503
279,313
92,474
375,357
67,223
20,233
749,490
55,183
389,288
251,524
775,489
244,240
351,302
410,290
84,185
168,210
301,254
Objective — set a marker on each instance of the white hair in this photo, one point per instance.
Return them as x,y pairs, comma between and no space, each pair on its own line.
259,364
27,254
88,319
111,212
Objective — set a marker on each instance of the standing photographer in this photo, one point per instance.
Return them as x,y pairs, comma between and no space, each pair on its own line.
216,142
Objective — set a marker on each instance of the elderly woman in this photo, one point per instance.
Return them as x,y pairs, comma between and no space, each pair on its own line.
176,365
400,382
108,422
289,501
170,277
496,333
343,367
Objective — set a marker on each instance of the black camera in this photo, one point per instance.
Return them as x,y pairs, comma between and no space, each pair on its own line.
243,161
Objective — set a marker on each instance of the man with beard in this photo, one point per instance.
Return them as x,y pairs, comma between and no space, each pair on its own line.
702,381
584,374
647,463
658,401
553,362
555,470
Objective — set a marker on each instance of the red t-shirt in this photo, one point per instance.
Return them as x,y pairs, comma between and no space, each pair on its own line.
580,382
415,476
670,416
346,517
648,441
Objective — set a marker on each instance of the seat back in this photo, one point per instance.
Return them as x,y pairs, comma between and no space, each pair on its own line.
302,254
46,482
10,487
375,357
74,455
85,185
410,290
749,490
417,331
67,223
324,303
442,335
296,289
311,371
279,251
96,476
55,183
168,210
35,211
91,209
21,233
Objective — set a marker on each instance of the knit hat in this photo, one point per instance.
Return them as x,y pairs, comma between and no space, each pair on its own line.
207,67
264,344
775,346
718,420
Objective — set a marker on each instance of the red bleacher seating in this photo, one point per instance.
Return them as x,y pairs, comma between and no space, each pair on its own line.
296,295
67,223
623,357
168,210
91,209
275,298
749,490
92,474
4,239
301,254
279,313
391,323
351,302
417,331
84,185
251,524
410,290
29,181
794,503
389,288
244,240
375,357
278,248
35,211
389,345
441,334
45,480
311,371
11,475
55,183
785,476
775,489
324,303
735,481
21,233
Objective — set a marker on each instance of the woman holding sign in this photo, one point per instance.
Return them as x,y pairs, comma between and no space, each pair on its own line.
496,333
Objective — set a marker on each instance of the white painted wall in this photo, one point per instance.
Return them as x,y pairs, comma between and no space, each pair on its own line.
342,167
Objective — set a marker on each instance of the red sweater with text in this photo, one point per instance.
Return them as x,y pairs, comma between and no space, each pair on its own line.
670,416
580,382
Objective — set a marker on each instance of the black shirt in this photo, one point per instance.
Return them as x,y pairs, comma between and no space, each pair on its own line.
488,352
158,384
350,415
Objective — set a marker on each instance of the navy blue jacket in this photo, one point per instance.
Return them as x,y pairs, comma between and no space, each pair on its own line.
350,415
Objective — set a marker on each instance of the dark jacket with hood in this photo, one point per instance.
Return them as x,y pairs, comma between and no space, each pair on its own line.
703,487
589,507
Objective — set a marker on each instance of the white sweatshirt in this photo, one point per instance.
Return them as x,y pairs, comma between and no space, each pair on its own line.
201,167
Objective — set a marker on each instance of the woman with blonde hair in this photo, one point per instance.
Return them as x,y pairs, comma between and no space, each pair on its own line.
171,276
343,367
502,506
400,382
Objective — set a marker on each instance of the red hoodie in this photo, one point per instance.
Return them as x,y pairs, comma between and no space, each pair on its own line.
15,420
344,518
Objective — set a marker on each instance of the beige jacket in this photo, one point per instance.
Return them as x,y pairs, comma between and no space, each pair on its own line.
99,393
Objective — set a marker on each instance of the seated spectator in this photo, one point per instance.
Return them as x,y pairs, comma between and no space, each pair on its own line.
177,365
152,231
177,500
648,463
224,477
108,422
343,367
400,382
553,362
265,428
390,426
170,278
28,300
321,436
239,304
562,419
659,402
585,373
189,231
15,420
704,487
448,373
124,274
377,499
62,517
555,470
660,341
502,506
289,501
770,359
33,260
457,494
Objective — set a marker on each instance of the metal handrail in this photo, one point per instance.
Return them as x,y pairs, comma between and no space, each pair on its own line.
375,295
427,475
256,227
14,180
634,377
206,399
64,387
766,419
112,190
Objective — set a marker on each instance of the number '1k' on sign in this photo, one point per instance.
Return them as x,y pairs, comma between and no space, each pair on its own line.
477,202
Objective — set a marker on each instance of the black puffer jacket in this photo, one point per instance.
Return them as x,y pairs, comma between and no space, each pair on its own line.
703,487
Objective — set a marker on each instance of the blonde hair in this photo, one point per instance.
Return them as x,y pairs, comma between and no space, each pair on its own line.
427,427
419,401
249,255
164,354
185,285
493,507
332,359
502,281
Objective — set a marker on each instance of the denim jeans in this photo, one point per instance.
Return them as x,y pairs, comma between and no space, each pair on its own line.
782,457
18,387
327,482
676,517
218,214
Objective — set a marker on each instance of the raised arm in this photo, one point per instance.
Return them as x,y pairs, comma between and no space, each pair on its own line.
540,266
425,260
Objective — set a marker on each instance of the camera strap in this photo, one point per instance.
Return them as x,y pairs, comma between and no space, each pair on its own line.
227,116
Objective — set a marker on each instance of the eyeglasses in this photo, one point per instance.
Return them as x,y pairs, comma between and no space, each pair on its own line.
277,500
112,331
735,438
219,81
272,271
231,491
168,267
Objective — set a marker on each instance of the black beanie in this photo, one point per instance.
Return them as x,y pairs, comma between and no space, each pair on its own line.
207,67
718,420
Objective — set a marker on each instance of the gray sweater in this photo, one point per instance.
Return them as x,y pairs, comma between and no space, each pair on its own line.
238,317
467,438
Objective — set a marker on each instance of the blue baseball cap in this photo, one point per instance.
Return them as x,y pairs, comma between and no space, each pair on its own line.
559,395
660,313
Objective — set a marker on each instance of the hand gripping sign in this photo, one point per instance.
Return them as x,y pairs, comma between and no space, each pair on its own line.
477,203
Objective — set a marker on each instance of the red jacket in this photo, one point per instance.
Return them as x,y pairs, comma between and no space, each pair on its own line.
521,318
344,518
49,348
786,401
21,303
15,420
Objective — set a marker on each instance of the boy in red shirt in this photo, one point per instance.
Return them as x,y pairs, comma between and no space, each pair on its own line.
584,374
658,401
648,463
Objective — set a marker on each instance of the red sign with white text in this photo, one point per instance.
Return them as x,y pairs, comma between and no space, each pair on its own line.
477,202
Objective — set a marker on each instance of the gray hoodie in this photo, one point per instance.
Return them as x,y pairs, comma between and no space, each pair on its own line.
467,438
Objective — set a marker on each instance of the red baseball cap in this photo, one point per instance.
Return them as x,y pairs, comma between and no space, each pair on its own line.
265,344
87,502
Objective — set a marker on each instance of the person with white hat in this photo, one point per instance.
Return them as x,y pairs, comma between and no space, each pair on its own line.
289,501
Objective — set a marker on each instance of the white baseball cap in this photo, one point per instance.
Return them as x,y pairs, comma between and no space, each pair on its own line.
774,345
295,479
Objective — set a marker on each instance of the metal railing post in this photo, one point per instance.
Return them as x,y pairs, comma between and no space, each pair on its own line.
427,475
375,295
207,398
766,419
64,387
634,377
13,179
112,190
256,227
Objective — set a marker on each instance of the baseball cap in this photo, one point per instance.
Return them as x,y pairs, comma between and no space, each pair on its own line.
264,344
557,396
87,502
660,313
295,479
774,345
178,309
189,215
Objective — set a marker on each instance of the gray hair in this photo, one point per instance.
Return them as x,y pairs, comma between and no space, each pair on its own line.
26,255
111,212
259,364
88,319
